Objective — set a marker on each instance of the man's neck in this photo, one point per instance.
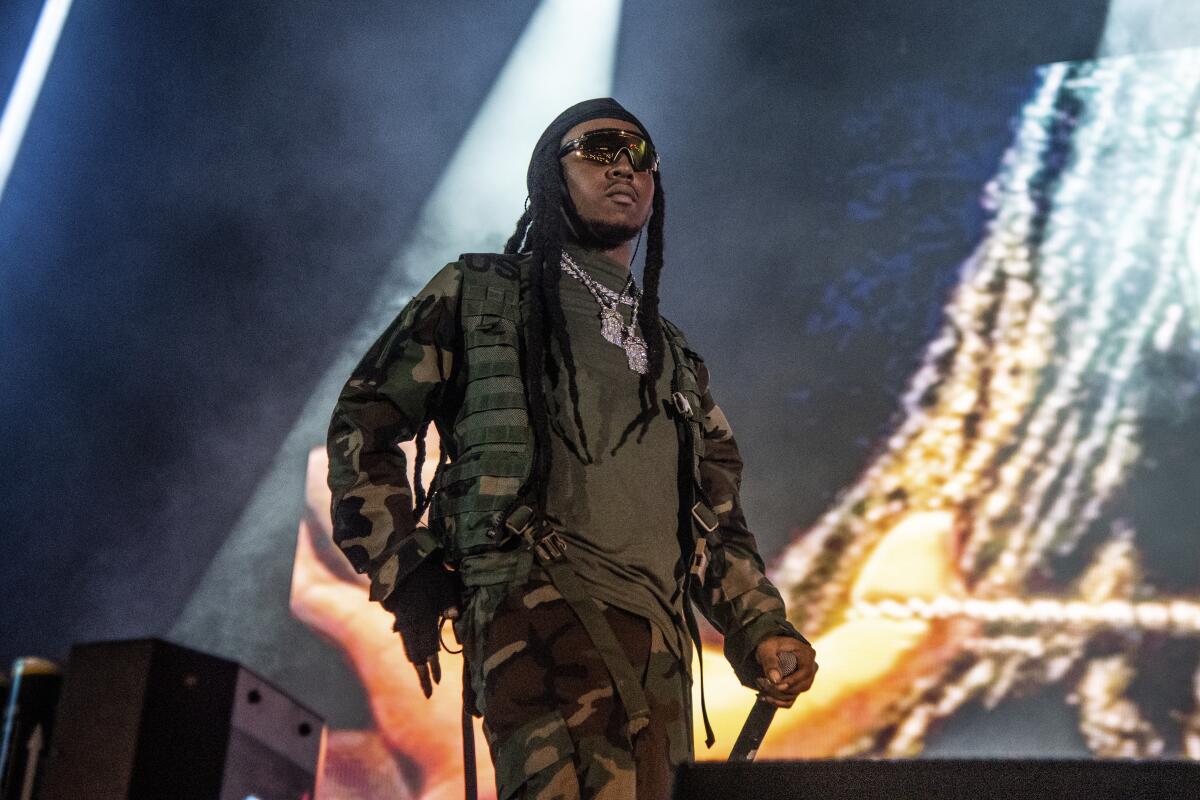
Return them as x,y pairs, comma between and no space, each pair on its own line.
620,255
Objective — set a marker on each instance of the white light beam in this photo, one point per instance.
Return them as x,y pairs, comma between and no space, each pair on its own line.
29,84
558,60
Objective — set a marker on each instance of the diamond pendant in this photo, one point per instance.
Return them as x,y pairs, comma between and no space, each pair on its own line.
612,327
635,351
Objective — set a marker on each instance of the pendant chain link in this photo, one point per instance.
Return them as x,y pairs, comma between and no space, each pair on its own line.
612,324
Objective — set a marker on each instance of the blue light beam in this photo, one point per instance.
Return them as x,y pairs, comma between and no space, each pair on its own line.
28,85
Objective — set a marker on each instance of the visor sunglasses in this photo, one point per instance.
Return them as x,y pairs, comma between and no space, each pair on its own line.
605,146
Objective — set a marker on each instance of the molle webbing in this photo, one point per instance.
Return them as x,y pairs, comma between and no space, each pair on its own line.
495,434
492,426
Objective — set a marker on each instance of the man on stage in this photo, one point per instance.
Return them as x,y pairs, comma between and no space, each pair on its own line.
588,485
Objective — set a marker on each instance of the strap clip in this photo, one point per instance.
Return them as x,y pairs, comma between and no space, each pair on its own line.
681,403
550,547
520,521
699,561
705,517
547,545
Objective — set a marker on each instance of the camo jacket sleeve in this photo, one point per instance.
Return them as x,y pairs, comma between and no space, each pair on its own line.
395,387
737,598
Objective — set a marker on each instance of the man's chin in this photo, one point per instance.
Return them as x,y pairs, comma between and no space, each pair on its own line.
607,235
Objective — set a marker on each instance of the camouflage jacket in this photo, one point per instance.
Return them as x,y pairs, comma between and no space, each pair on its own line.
419,369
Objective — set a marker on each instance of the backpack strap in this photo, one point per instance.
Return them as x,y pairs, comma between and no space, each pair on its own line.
701,521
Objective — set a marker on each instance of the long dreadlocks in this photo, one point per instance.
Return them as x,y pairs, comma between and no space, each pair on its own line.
550,217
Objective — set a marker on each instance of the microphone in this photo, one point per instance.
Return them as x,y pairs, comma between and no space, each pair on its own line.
746,746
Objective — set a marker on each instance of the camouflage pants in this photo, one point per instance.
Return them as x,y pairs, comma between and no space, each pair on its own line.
553,723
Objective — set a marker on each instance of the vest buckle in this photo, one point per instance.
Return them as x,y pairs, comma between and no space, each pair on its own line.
706,517
699,561
545,542
521,522
682,405
550,547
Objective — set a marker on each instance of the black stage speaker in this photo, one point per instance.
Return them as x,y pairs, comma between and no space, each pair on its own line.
921,779
149,720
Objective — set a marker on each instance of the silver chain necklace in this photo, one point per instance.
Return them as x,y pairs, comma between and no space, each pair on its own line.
612,324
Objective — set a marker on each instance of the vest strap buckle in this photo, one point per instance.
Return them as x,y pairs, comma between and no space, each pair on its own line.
699,561
681,403
544,541
521,522
706,518
550,547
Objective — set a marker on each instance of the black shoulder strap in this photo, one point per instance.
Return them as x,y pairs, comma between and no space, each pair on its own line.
692,506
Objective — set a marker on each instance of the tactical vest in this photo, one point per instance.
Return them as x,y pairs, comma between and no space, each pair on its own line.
492,433
476,509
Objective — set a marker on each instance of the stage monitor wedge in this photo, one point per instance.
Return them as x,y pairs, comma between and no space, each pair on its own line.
147,720
928,779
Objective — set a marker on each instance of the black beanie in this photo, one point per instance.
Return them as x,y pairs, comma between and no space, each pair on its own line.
600,108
